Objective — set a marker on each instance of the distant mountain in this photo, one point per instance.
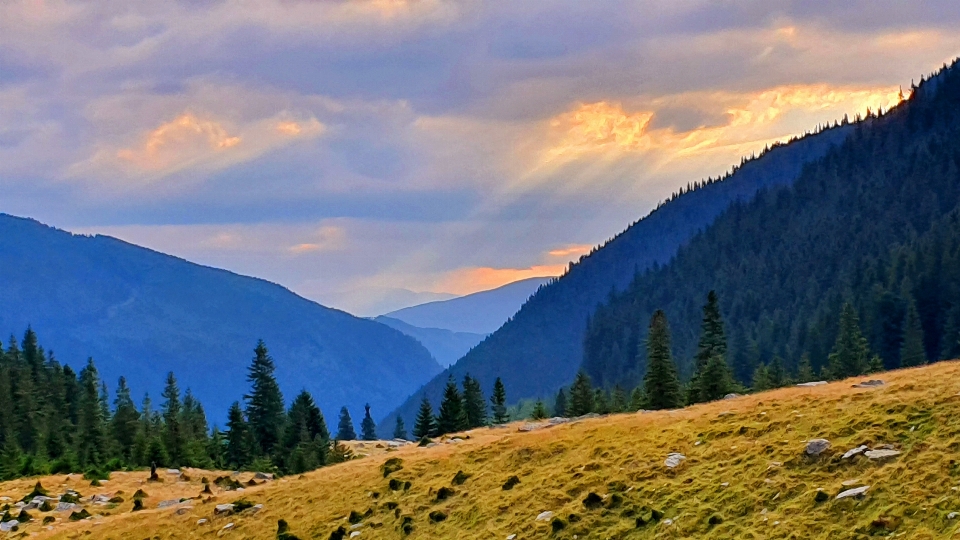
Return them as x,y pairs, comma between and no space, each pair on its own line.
446,346
541,347
477,313
141,313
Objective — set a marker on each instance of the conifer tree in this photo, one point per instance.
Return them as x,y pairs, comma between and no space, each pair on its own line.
805,369
217,449
713,343
265,410
761,379
777,376
849,356
661,385
638,399
876,364
912,352
601,401
425,425
125,421
345,431
560,404
238,451
368,428
618,400
90,429
581,395
717,380
399,431
539,410
950,344
452,416
499,401
173,440
474,403
306,439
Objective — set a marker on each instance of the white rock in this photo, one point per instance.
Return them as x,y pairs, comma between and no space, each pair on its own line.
848,483
872,383
725,484
698,443
223,509
512,537
201,521
881,454
852,452
668,522
815,383
8,526
173,471
66,507
354,534
731,396
673,460
952,515
545,516
855,492
356,526
168,503
5,499
816,447
263,476
228,526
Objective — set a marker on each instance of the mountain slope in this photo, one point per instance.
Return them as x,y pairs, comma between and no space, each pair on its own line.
446,346
141,313
477,313
540,348
746,475
876,222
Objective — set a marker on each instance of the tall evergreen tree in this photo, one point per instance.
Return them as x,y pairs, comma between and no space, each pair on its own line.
539,410
425,425
173,440
125,422
265,411
638,399
238,448
399,430
717,380
912,353
345,431
805,370
475,405
761,379
90,425
950,344
618,400
560,404
713,342
601,401
849,356
778,377
661,384
452,416
581,395
368,428
499,401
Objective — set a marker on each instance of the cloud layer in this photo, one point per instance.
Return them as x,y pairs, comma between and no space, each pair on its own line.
369,153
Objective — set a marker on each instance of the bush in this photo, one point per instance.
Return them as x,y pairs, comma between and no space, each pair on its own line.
82,514
391,466
512,481
460,478
437,516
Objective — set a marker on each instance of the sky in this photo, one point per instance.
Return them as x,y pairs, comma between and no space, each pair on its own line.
373,154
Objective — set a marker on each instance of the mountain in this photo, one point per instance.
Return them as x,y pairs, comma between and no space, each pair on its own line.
874,223
541,347
446,346
477,313
140,313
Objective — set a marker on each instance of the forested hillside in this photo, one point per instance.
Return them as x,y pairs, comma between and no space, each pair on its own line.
141,313
540,348
875,223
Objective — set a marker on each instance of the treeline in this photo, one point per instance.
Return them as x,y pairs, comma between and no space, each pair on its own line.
459,410
870,232
54,420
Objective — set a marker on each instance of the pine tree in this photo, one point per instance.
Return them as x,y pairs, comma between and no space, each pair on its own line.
345,431
539,410
777,376
560,404
238,451
173,440
876,364
601,401
805,369
425,425
306,437
849,356
761,379
618,401
217,449
474,403
912,352
950,343
368,428
581,395
265,410
125,421
90,429
499,401
399,431
713,343
717,380
638,399
452,417
661,385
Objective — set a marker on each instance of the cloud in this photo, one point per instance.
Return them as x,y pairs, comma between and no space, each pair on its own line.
571,251
179,142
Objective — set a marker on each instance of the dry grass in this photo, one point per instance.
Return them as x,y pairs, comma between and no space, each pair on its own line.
748,472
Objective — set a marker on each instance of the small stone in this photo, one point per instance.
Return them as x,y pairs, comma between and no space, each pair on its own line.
725,413
201,521
817,447
858,450
952,515
698,443
512,537
855,492
183,510
545,516
881,454
354,534
263,476
673,460
872,383
848,483
668,522
731,396
815,383
223,509
725,484
227,527
168,503
8,526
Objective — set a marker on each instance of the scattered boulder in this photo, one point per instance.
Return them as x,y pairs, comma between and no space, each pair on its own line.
223,509
545,516
183,510
354,534
872,383
855,451
814,383
673,460
263,476
512,481
882,453
953,515
732,395
512,537
168,503
816,447
201,521
10,526
855,492
227,527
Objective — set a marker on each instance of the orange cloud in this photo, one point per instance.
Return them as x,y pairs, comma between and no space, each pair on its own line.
325,239
182,139
471,280
289,128
571,251
598,126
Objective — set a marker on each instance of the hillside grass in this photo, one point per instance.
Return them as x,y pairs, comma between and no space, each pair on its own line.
746,476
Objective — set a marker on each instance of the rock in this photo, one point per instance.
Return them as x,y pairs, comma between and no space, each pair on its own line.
227,527
816,447
731,395
168,503
223,509
173,471
815,383
872,383
858,450
882,453
855,492
8,526
263,476
725,484
66,507
545,516
848,483
673,460
183,510
668,522
952,515
725,413
512,537
201,521
354,534
532,426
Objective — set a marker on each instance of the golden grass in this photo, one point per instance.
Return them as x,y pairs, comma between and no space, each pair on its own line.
745,468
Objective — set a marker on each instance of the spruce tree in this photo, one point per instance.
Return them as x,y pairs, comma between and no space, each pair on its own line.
452,416
777,376
539,410
425,425
713,343
717,380
474,403
601,401
849,356
618,400
950,342
912,352
238,451
499,401
399,431
265,410
306,437
125,421
368,428
173,440
661,385
560,404
638,399
761,379
805,369
345,431
581,395
90,425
